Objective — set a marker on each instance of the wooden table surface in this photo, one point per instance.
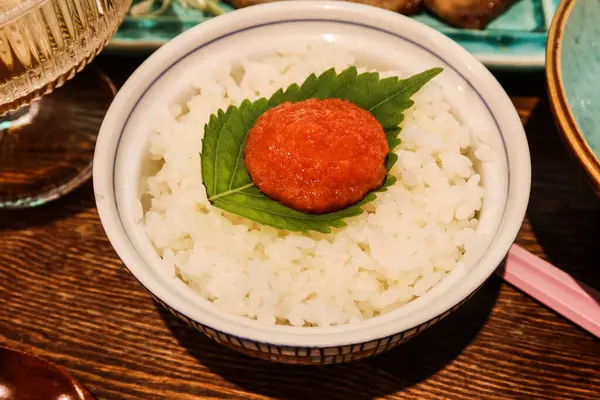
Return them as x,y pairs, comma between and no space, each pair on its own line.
65,295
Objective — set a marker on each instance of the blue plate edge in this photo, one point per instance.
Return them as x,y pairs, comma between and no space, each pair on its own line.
516,50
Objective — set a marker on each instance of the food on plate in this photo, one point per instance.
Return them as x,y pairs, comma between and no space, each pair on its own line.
316,156
401,6
471,14
248,3
254,257
153,8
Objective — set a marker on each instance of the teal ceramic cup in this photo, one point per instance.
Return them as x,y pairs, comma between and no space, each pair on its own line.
573,72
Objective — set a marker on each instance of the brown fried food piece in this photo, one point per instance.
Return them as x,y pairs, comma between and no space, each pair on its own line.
401,6
248,3
470,14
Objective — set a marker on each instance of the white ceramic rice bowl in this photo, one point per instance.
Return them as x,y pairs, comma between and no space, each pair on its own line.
377,37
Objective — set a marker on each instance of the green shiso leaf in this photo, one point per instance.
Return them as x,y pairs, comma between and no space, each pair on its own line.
224,175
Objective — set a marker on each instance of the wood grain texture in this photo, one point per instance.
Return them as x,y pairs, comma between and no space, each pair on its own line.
65,295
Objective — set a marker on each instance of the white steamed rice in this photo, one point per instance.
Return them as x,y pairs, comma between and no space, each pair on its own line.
406,242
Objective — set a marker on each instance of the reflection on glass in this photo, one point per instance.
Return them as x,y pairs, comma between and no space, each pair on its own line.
43,44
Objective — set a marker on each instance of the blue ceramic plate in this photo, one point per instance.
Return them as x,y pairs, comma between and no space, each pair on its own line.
516,39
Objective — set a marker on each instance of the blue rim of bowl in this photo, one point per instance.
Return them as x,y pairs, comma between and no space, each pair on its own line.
446,308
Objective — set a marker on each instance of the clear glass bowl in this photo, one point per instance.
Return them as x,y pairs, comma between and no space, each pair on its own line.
46,143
